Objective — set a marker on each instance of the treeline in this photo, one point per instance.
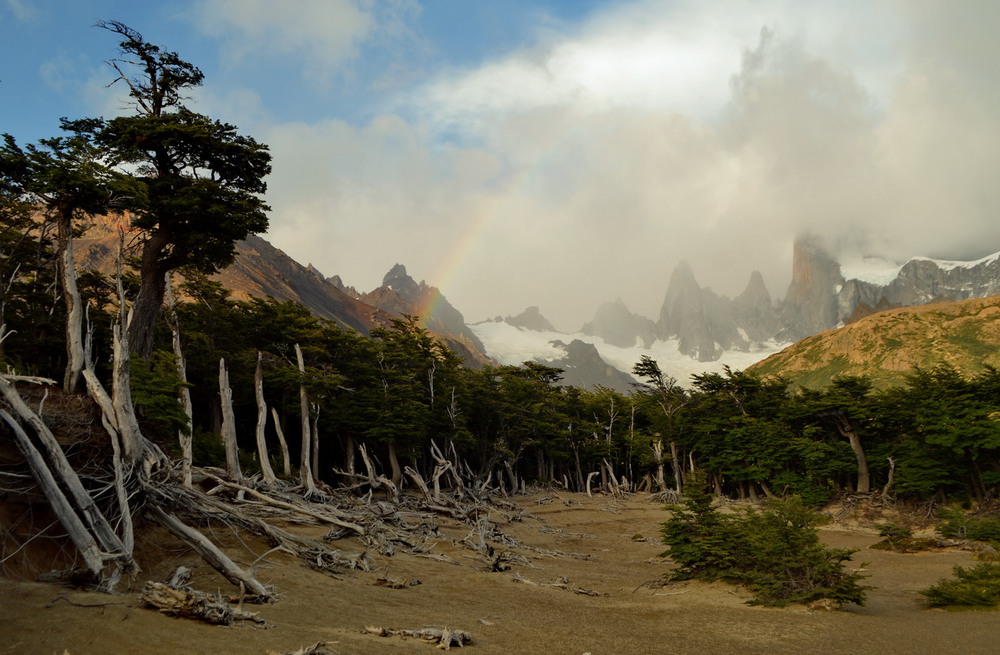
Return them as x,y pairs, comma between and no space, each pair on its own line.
397,391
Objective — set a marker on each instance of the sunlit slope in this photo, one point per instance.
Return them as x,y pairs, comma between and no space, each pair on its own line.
885,346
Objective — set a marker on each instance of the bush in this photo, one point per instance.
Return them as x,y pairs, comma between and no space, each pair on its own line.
978,586
776,552
958,525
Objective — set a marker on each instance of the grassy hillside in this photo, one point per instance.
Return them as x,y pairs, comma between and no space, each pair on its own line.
885,346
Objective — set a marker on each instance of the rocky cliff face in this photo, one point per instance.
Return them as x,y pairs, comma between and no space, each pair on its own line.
701,321
754,312
810,305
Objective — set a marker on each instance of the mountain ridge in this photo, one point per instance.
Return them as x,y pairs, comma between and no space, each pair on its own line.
888,345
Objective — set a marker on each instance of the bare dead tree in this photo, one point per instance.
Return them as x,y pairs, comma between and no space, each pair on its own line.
184,437
265,463
229,424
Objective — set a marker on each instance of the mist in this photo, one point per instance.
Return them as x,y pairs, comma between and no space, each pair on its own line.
585,167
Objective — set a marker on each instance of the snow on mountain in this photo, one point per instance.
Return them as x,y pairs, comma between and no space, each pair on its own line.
511,346
946,265
870,269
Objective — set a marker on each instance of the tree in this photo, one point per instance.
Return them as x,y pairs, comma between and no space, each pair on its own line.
203,180
776,552
663,389
64,178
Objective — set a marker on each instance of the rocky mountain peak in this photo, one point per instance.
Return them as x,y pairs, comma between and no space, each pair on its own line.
400,281
614,323
754,311
530,319
810,306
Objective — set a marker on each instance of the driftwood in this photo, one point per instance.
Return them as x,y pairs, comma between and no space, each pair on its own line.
319,648
443,638
561,583
212,554
197,605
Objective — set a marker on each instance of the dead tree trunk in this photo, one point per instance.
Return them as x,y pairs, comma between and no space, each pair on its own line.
890,481
286,460
305,468
678,468
74,307
78,533
184,437
133,443
315,442
211,553
229,424
265,463
661,480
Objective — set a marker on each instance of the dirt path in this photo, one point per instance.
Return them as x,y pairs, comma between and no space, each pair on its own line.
505,616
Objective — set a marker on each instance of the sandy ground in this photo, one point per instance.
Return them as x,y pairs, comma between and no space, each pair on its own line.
619,540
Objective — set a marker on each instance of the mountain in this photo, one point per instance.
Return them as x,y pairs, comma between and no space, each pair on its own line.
260,270
530,319
614,323
583,367
885,346
401,295
823,294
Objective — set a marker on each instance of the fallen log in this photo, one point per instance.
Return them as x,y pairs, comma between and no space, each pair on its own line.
197,605
443,638
211,554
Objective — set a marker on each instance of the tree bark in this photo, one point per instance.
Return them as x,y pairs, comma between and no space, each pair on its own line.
286,460
71,296
847,430
265,463
152,288
305,469
183,437
229,425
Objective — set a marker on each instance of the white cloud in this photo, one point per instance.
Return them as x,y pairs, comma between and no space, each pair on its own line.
325,34
20,10
594,161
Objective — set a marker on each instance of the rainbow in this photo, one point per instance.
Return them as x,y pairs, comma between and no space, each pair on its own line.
471,238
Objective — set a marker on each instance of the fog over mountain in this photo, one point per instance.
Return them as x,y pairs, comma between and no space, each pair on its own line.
586,164
562,154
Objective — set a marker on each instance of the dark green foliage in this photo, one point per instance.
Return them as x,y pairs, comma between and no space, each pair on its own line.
155,389
959,525
974,587
776,552
894,531
899,538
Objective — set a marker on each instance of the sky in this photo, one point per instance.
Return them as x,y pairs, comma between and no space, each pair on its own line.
565,153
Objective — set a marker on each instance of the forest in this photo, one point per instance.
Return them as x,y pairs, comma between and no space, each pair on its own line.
181,377
399,394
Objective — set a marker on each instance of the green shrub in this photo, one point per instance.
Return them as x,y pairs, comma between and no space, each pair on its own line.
978,586
958,525
894,532
776,552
